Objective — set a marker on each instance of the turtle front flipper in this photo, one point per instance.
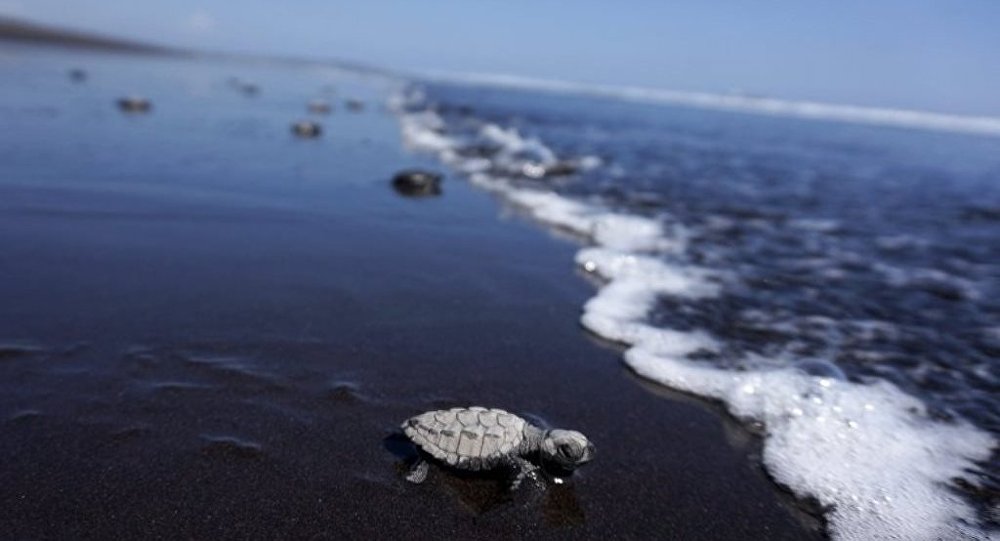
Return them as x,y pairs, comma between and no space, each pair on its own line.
522,468
418,471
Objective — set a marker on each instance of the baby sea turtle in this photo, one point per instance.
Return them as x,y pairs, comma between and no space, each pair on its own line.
249,89
416,183
319,107
134,104
481,439
307,129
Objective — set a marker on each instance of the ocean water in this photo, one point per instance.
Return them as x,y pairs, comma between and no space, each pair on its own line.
832,281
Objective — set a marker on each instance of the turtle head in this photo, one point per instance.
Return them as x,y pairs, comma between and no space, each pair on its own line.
567,449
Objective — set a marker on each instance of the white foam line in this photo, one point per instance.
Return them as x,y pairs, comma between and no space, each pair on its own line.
867,452
881,116
859,450
674,280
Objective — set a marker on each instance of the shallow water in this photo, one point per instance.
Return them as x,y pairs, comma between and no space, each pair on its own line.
755,244
212,329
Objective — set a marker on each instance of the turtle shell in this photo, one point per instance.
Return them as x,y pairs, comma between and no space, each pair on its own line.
467,438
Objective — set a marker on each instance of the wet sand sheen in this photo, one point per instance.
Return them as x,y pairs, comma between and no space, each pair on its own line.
221,344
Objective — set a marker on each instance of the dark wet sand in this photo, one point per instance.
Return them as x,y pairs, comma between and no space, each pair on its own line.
210,330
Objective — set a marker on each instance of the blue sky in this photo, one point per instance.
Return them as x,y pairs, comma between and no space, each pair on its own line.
941,55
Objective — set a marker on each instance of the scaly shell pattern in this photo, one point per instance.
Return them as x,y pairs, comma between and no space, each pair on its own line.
467,438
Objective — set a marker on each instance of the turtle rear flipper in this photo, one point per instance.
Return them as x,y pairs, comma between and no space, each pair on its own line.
418,471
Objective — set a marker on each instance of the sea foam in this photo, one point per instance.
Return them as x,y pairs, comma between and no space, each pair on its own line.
867,453
877,464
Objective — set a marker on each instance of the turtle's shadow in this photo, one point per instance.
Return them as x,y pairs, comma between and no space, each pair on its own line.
478,492
401,447
416,193
482,492
561,507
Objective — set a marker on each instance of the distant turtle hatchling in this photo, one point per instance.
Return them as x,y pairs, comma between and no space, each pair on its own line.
306,129
319,107
481,439
417,183
134,104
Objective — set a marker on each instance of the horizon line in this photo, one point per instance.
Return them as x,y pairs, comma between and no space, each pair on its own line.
735,102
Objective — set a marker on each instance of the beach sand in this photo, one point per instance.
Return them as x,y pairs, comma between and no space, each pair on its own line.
210,329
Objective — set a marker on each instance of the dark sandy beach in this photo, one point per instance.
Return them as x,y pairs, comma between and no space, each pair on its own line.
211,330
